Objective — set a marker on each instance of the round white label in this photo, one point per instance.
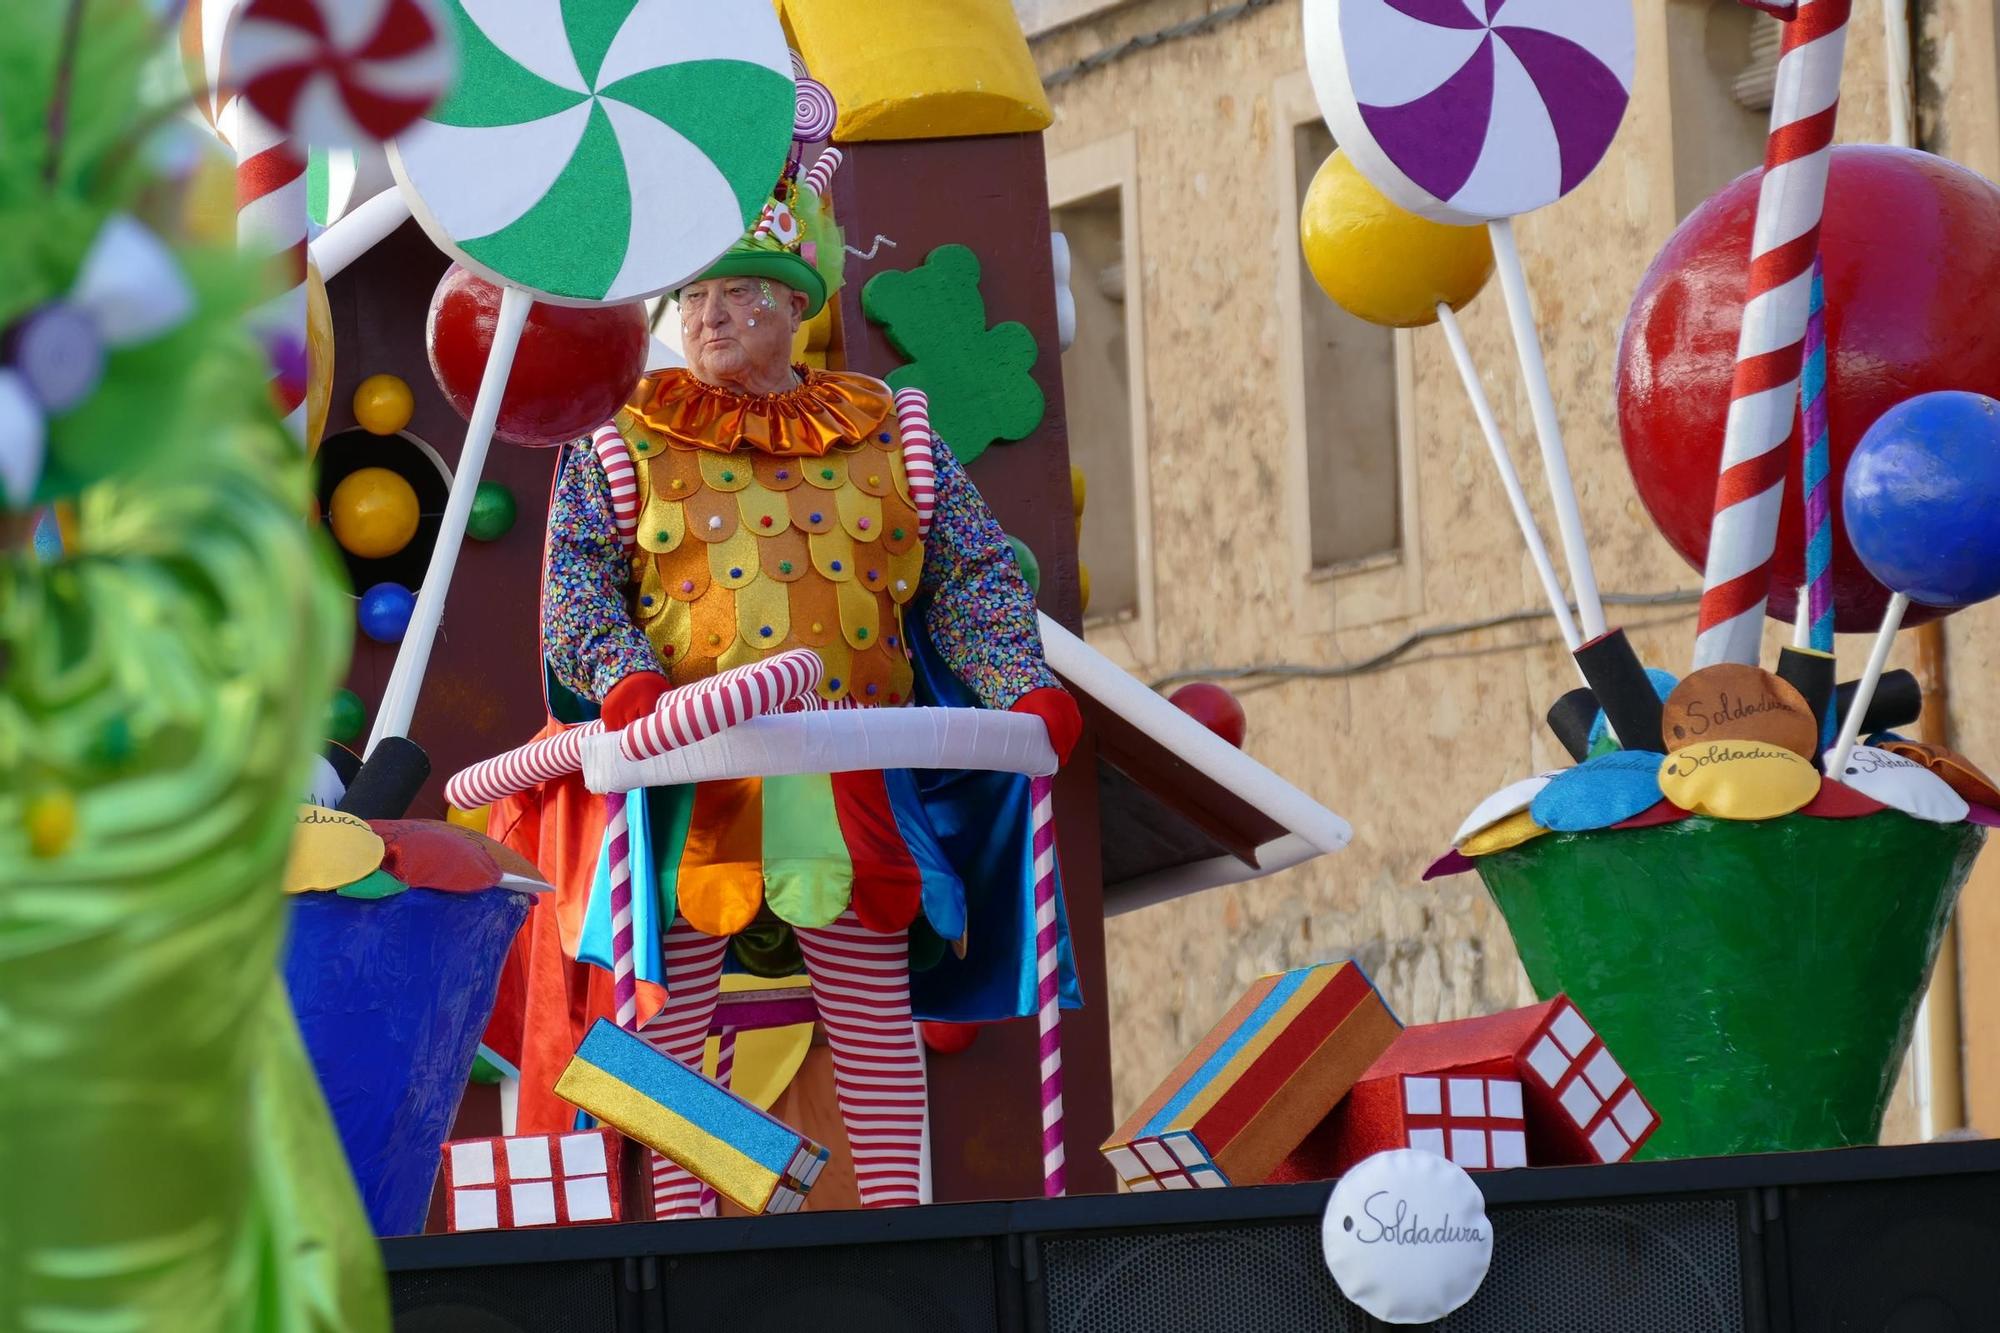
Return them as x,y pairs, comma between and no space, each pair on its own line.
1407,1237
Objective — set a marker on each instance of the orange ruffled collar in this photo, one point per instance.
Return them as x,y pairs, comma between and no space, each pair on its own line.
827,410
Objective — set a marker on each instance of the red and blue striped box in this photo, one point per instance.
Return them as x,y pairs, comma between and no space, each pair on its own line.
1263,1077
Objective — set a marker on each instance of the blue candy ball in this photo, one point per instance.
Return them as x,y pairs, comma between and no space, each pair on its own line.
385,612
1921,498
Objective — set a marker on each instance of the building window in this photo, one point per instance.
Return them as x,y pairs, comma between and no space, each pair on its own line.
1353,464
1097,393
1722,69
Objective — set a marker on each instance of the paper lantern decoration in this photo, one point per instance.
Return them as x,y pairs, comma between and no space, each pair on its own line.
576,366
384,613
373,513
493,512
1215,708
1921,497
1380,262
601,162
1257,1084
1465,113
1896,321
748,1157
532,1180
383,404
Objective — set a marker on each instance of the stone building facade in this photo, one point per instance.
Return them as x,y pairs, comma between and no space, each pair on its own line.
1275,486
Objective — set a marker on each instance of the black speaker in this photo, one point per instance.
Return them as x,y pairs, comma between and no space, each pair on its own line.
583,1297
1259,1275
1668,1266
941,1286
1895,1256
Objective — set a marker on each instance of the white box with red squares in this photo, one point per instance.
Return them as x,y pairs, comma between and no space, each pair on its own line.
532,1180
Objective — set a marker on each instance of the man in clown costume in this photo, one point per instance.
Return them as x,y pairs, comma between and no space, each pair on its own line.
742,507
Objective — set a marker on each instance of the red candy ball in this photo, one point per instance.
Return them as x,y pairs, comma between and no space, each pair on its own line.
948,1038
1911,245
576,365
1213,707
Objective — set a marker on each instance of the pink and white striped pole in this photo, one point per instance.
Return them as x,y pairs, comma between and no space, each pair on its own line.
1759,441
913,413
1048,988
624,975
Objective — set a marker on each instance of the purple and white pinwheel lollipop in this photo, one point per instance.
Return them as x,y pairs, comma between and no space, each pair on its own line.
1466,111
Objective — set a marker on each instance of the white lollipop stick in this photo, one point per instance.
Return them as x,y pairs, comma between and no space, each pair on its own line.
1510,480
1548,427
359,230
399,700
1878,657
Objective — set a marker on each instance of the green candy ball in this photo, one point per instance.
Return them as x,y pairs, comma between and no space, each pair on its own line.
493,512
1031,568
344,716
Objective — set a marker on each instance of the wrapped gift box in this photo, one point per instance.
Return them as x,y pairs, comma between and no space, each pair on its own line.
1258,1083
531,1180
1532,1086
754,1160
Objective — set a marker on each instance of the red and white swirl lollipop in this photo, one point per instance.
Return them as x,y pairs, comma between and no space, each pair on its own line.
341,73
1469,110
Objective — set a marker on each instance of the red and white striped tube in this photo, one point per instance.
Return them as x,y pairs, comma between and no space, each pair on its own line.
624,963
1048,988
1758,443
616,460
696,712
683,716
913,410
520,769
271,226
819,178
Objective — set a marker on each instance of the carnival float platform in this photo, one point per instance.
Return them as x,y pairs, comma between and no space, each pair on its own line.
1895,1238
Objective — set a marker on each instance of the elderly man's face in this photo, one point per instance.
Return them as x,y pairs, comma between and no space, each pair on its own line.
738,332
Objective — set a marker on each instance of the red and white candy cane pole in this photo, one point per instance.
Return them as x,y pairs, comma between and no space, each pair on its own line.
271,226
1048,987
624,958
1770,352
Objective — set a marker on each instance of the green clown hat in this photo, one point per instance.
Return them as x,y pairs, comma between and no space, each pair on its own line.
794,242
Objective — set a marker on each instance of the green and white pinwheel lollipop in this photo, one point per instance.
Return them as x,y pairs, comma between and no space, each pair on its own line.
601,151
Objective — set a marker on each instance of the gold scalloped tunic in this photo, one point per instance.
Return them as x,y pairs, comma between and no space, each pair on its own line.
747,553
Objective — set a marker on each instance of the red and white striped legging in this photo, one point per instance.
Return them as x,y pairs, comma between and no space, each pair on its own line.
861,983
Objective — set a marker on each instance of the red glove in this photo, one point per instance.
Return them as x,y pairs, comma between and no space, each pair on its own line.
632,698
1058,713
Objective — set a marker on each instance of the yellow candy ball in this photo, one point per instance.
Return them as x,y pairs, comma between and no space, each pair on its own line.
1380,262
1083,586
476,820
383,404
51,822
1077,487
374,513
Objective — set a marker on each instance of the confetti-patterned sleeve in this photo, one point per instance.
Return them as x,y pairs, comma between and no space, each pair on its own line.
588,634
980,612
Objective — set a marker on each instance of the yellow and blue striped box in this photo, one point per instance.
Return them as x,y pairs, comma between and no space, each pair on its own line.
754,1160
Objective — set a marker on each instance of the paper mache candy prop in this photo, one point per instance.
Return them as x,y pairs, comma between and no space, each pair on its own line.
419,916
533,1180
1257,1084
748,1156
